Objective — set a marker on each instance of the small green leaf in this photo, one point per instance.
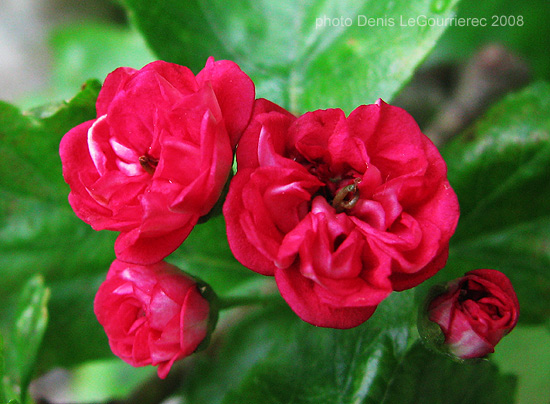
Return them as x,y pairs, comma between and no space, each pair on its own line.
301,54
31,319
500,169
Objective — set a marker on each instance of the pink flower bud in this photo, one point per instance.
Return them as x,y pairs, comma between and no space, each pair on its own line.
475,312
152,315
158,155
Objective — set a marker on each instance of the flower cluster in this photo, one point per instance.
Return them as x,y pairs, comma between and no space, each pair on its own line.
152,163
341,210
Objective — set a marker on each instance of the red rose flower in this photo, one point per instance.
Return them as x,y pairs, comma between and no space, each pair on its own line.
159,153
152,315
475,312
342,211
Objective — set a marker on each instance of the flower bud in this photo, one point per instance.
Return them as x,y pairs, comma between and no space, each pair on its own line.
154,314
469,316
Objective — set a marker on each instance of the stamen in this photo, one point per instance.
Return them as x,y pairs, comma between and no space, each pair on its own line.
340,203
149,164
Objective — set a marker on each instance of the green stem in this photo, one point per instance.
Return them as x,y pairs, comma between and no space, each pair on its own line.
232,302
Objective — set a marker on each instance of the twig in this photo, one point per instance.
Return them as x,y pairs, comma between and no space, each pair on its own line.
489,74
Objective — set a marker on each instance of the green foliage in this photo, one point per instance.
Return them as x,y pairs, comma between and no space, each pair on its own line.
38,230
377,362
32,142
295,56
312,365
244,337
74,335
29,325
423,377
40,233
2,371
499,170
524,353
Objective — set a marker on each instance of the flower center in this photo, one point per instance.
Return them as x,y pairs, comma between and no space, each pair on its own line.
149,164
346,197
341,184
472,291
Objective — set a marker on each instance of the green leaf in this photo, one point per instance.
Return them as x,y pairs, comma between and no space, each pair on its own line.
37,226
424,377
243,337
375,363
39,233
30,144
302,55
499,170
38,230
31,319
499,166
6,387
108,380
311,365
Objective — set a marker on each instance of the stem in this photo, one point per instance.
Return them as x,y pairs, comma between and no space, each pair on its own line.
232,302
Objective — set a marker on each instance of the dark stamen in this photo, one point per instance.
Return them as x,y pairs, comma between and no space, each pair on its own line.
471,294
149,164
340,203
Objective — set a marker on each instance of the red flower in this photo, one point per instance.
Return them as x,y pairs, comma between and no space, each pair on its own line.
342,211
152,315
158,155
475,312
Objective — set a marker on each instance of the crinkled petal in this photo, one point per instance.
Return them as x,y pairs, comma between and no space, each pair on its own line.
300,295
234,91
